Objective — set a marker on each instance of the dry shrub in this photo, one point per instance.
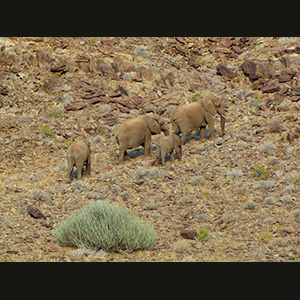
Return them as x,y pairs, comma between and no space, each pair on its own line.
105,226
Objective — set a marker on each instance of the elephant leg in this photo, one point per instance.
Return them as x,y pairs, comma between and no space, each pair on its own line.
222,122
121,155
183,137
178,151
69,167
79,166
172,156
211,126
88,166
69,172
157,155
163,159
202,133
147,143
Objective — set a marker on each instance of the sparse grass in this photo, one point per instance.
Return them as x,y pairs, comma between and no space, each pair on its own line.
259,172
181,246
234,173
141,50
292,178
199,61
69,143
195,97
56,111
249,205
228,218
259,99
267,147
203,235
46,131
102,225
95,39
294,151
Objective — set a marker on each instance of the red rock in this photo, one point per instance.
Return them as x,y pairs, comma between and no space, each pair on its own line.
93,101
44,59
285,76
249,69
224,71
115,94
54,84
277,99
180,39
237,49
124,109
193,63
295,98
183,50
35,212
189,234
137,101
62,68
296,90
255,69
93,95
110,120
75,106
223,50
226,41
283,108
123,103
176,65
193,87
271,87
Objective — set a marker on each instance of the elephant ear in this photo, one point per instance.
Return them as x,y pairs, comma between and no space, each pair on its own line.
208,105
154,126
216,101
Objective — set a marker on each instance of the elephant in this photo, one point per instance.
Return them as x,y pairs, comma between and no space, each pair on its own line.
78,154
135,132
165,145
196,115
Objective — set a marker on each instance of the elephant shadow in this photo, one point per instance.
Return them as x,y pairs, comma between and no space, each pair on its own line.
74,174
196,136
134,153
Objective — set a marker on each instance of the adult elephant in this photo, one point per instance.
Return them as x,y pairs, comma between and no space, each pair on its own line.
192,116
135,132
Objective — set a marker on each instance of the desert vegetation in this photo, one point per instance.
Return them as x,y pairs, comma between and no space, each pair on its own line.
105,226
235,197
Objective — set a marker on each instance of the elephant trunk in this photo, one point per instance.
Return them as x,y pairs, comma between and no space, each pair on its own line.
222,113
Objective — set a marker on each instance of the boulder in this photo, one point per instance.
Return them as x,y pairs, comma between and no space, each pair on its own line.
189,234
256,69
225,71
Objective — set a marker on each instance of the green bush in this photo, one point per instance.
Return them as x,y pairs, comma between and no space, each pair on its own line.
106,226
69,143
259,172
203,235
46,131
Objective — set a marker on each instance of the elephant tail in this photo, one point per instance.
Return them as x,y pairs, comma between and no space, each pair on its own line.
117,139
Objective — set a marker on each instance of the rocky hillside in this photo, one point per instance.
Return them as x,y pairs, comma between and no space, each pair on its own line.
242,190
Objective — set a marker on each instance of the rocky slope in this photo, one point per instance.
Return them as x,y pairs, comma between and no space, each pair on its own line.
243,188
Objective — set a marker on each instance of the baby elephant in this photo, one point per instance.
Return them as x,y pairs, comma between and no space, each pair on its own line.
78,154
167,144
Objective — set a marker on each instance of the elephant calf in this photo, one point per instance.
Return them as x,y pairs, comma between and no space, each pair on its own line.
78,154
135,132
165,145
